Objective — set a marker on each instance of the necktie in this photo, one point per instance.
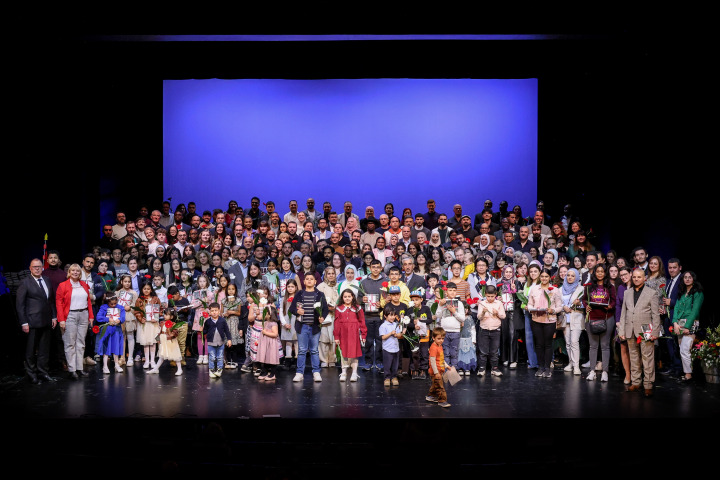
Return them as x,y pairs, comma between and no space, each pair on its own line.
40,284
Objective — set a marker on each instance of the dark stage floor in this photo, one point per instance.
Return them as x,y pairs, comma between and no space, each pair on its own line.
517,394
237,424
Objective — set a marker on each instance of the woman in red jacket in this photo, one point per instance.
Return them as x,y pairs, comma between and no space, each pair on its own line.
75,315
350,332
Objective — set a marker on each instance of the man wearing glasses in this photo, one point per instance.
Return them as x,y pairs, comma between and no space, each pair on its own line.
37,313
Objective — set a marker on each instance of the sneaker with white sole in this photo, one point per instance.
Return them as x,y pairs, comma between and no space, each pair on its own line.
604,377
106,370
590,376
343,377
481,373
154,370
130,362
547,373
539,372
431,399
138,358
211,372
118,369
598,367
354,377
513,365
586,364
298,377
496,373
568,368
576,371
218,372
317,377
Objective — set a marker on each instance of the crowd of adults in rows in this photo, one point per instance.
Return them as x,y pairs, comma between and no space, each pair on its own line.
568,305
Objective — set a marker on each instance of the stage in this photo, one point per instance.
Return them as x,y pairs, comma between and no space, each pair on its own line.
237,424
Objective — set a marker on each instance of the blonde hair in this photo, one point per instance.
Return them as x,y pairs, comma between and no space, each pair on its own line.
73,266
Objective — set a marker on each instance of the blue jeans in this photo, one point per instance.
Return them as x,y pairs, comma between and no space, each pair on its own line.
529,342
450,348
216,355
306,340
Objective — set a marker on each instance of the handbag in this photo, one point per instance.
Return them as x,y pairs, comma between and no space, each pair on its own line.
561,322
598,327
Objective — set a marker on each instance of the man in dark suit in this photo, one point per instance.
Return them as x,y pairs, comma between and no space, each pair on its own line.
38,316
640,309
669,347
412,281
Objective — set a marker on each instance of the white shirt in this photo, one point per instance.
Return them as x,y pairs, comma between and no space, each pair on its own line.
79,298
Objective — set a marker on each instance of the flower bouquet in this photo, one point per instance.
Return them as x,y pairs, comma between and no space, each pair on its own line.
708,350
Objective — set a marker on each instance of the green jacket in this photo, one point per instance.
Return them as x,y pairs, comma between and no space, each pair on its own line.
688,308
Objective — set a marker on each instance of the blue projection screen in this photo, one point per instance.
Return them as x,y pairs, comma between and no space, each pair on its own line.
369,141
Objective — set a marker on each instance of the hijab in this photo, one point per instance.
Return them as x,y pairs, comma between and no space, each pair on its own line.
350,280
480,245
569,288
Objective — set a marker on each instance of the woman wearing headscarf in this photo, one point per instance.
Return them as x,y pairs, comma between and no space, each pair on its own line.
350,280
328,287
484,242
574,318
507,288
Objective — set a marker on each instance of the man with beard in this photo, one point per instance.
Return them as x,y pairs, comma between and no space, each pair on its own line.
442,228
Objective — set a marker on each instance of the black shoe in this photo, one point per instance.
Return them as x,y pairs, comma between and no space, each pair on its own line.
365,368
32,378
664,371
81,373
46,378
73,376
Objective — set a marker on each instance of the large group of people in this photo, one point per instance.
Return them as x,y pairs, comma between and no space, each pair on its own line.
253,290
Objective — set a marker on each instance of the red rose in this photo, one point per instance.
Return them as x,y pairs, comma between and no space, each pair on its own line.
427,243
358,278
169,324
290,299
294,241
147,276
205,314
662,286
444,288
96,329
482,282
109,280
551,288
385,284
443,282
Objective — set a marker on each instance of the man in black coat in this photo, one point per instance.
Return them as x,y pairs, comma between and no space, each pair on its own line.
38,316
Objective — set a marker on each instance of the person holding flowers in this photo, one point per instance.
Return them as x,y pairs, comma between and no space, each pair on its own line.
127,297
571,293
350,333
288,336
169,348
599,301
544,301
491,314
147,313
200,302
685,314
109,333
310,308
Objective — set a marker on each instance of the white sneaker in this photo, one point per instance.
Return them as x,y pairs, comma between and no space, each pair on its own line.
130,362
218,372
106,370
604,377
513,365
317,377
179,371
298,377
576,371
598,367
354,377
496,373
118,369
211,372
591,376
586,364
154,370
343,377
481,373
90,361
568,367
147,364
323,364
138,358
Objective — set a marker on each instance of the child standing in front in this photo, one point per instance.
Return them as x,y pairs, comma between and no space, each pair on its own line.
111,342
437,368
491,313
390,333
288,335
422,317
268,349
217,333
168,346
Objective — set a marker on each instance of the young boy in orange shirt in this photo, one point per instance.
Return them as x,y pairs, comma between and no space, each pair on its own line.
437,368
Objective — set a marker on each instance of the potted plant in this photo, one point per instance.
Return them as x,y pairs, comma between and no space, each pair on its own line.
707,352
